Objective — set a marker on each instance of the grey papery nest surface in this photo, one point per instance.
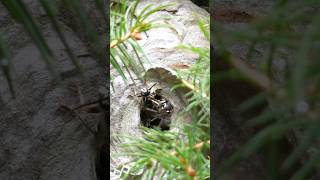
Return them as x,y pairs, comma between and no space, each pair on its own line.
160,47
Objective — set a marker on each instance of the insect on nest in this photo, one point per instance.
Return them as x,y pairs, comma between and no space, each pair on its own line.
156,110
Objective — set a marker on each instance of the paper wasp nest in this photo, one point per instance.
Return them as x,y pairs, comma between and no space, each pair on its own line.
160,46
127,109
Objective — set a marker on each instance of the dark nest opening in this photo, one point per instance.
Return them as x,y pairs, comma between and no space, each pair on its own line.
156,116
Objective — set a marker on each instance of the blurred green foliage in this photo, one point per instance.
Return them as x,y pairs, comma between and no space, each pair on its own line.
289,35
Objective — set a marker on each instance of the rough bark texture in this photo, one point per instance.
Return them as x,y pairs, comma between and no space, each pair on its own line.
39,138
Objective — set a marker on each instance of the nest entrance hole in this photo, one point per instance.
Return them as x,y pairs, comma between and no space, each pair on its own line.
151,118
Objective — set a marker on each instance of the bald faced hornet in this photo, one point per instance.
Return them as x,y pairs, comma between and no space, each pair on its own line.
156,109
145,92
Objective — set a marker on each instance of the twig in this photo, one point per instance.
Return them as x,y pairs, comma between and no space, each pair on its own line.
82,121
258,78
85,124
